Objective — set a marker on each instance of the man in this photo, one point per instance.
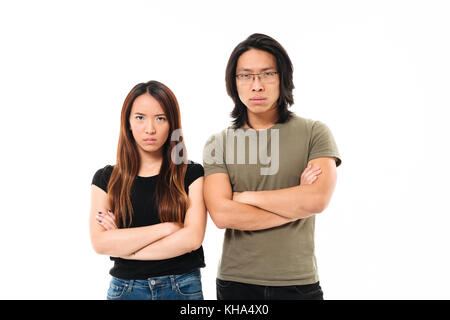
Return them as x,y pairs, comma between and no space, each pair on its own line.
254,183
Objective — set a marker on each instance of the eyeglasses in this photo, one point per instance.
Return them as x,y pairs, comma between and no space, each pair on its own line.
264,77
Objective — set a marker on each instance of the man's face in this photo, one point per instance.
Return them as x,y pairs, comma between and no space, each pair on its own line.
261,94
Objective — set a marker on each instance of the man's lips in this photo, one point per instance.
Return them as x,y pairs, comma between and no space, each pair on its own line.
257,100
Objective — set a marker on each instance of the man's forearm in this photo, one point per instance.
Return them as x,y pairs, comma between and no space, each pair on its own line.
296,202
240,216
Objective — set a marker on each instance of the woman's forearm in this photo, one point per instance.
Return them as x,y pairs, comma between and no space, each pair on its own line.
122,242
178,243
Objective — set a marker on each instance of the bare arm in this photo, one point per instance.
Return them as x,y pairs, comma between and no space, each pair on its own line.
227,213
119,242
300,201
188,238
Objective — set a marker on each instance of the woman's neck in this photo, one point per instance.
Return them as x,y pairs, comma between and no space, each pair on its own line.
150,163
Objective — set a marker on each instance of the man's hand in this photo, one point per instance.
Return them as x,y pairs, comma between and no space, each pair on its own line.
310,174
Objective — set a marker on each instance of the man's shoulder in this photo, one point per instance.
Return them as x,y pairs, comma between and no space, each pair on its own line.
302,119
219,134
296,122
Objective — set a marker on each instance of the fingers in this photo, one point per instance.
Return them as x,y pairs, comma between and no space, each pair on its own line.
310,174
311,170
106,220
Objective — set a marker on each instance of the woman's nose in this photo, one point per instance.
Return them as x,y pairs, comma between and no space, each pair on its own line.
150,128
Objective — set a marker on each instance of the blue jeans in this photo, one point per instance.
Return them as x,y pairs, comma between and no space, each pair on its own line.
186,286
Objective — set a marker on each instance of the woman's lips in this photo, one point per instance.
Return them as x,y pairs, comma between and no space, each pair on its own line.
150,141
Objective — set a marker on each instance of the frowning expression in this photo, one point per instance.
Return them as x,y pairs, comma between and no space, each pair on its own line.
148,123
259,95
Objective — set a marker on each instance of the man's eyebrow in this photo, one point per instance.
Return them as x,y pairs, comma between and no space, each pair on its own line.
251,70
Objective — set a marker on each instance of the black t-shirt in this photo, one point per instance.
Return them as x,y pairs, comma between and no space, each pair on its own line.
145,213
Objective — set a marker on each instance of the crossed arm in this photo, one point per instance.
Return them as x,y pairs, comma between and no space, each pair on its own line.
156,242
257,210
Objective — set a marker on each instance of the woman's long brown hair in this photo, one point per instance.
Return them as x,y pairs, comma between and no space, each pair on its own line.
171,197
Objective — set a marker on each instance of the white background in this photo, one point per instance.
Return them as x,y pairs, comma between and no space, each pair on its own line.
376,72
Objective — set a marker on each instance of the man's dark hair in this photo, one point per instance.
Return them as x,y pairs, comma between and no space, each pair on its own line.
284,67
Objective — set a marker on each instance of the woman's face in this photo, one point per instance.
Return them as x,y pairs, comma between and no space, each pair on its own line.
148,123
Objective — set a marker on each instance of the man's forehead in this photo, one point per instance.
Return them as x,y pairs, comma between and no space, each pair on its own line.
256,60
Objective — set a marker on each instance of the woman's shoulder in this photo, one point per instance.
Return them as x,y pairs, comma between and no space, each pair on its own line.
102,176
192,164
194,170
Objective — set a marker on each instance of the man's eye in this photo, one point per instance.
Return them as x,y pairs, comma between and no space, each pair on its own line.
244,75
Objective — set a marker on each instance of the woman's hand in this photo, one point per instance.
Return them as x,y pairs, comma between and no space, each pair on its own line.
107,220
310,174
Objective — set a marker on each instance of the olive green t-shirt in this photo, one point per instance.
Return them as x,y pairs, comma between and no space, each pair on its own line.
269,159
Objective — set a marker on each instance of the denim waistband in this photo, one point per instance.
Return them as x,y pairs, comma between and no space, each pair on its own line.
161,281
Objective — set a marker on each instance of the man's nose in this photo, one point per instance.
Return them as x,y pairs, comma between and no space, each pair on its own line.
257,84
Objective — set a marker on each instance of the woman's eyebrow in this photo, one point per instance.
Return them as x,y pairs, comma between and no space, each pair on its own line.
155,115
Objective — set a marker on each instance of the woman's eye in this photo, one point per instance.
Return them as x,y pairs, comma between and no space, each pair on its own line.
139,117
160,118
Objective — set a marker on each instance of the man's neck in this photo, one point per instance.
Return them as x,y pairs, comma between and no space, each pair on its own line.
262,121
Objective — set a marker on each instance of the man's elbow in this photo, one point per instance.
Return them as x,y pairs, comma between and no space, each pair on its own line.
318,204
321,204
216,217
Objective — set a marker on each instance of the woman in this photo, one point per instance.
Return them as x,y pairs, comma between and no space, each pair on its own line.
147,211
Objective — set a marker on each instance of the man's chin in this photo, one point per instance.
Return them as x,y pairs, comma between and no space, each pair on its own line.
258,109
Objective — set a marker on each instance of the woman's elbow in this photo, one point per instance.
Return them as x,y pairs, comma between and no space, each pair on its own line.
98,247
196,245
197,240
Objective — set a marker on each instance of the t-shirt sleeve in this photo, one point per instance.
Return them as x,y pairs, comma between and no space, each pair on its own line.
194,171
101,178
322,143
213,155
